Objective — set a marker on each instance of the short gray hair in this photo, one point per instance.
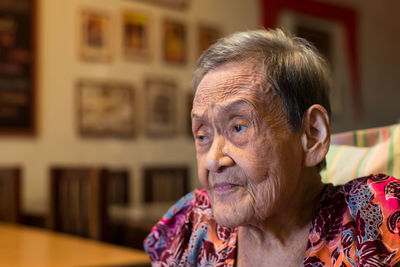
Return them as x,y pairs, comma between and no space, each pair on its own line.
299,75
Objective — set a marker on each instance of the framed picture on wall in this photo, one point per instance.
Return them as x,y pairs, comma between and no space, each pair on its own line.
176,4
136,35
161,111
165,184
328,37
207,35
17,67
96,30
105,109
174,41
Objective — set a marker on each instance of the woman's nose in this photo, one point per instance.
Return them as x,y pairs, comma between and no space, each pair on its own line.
217,158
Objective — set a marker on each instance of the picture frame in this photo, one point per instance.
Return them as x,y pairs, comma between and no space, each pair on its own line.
174,4
328,37
165,183
207,35
136,39
174,41
18,68
96,40
161,107
105,109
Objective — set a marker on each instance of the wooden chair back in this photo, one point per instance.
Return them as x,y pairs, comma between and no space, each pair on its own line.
10,194
117,190
165,184
79,199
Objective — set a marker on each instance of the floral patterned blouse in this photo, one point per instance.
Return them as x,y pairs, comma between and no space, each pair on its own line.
356,224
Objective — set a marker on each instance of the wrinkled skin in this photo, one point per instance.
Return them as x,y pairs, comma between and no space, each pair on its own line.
249,159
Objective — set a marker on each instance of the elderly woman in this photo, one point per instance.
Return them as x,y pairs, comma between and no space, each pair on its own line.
260,120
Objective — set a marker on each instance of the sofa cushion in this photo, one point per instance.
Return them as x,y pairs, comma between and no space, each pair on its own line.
362,152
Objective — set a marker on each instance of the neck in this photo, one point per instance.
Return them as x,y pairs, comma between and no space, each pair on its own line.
286,231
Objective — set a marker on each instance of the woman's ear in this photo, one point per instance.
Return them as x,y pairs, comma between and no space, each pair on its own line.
316,134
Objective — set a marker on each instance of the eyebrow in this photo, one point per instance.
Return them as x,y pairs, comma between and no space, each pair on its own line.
238,102
229,107
196,117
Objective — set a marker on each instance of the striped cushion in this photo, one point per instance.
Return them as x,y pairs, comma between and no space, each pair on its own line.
363,152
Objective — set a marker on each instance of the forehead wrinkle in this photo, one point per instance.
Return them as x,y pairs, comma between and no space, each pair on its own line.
235,104
237,81
247,92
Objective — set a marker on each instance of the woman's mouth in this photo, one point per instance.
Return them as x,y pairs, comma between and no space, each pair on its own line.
223,187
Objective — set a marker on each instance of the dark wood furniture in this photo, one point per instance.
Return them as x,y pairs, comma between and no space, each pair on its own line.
165,184
80,197
10,194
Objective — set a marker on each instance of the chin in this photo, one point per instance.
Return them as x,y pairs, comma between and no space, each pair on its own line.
232,215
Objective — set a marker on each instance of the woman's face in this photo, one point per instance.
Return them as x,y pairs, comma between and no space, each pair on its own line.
249,159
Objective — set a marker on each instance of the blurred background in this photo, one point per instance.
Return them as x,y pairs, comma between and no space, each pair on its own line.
95,97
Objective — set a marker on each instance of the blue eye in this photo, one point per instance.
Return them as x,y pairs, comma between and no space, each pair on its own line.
239,128
202,137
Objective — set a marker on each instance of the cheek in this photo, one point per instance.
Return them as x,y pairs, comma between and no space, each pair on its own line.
202,171
256,163
265,197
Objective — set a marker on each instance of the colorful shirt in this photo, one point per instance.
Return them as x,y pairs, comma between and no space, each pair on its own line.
356,224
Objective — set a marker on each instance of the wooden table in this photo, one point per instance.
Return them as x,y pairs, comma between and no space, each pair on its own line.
27,246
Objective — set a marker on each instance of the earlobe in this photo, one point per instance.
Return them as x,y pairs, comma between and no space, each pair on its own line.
315,138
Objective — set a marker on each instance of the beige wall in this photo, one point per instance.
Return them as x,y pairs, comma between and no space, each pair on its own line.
59,67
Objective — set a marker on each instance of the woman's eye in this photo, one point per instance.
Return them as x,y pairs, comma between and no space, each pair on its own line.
239,128
202,137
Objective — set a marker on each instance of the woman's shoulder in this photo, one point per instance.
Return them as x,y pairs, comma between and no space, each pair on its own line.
379,190
195,200
363,216
366,188
371,180
185,228
374,200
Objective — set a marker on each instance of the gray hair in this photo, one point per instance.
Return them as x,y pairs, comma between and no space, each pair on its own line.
299,75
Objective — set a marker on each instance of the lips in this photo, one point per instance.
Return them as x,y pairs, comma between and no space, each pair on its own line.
223,187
